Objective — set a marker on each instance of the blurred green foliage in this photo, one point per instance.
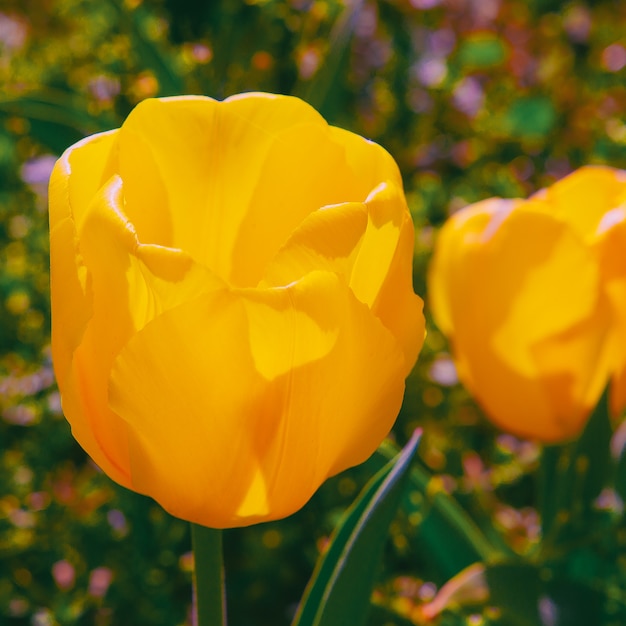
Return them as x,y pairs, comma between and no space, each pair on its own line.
474,98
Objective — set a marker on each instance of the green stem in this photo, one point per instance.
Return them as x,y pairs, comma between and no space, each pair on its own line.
208,579
552,487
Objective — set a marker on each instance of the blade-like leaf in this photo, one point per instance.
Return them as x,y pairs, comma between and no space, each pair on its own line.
524,594
57,118
329,80
620,475
524,598
447,533
339,590
153,54
573,475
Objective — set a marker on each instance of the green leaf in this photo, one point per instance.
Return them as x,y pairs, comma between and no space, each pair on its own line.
572,477
519,593
620,475
153,53
339,590
328,82
447,534
527,595
57,118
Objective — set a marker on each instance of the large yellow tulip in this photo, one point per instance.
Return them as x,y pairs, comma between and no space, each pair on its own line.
532,295
232,304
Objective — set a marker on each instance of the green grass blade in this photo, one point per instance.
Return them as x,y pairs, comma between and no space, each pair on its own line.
328,83
447,530
339,590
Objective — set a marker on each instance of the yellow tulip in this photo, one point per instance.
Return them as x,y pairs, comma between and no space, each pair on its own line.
232,302
532,296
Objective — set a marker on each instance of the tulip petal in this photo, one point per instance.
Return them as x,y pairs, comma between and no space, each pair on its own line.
302,172
211,208
574,390
371,246
610,245
281,383
387,212
523,295
77,176
583,198
617,343
511,326
382,275
370,160
206,193
130,284
327,239
447,292
75,179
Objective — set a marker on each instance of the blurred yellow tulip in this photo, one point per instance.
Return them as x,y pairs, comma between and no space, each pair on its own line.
232,302
532,296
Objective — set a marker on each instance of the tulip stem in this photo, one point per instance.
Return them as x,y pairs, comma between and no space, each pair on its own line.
208,579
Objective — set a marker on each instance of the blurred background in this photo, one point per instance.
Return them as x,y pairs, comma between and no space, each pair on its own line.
474,98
